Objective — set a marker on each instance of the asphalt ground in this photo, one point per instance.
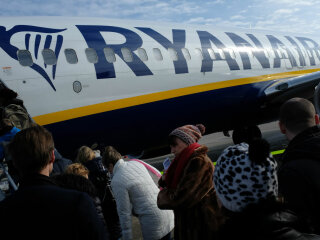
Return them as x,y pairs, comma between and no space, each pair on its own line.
216,143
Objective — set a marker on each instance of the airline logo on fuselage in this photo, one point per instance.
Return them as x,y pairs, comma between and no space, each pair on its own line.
11,50
104,69
133,41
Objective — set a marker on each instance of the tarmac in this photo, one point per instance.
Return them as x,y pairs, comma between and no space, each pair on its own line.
217,142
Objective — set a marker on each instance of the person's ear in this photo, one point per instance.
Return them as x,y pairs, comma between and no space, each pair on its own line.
52,157
316,119
282,128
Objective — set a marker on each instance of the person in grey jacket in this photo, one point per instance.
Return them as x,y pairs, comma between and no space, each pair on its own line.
135,191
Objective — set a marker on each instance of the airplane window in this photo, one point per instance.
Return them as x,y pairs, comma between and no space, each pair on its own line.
199,53
142,54
173,54
304,53
294,51
186,54
109,53
127,55
277,53
309,53
91,54
49,57
266,53
314,52
71,55
157,54
211,53
24,57
250,53
221,53
231,52
284,53
271,53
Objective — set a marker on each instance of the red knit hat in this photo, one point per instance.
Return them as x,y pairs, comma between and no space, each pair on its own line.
189,133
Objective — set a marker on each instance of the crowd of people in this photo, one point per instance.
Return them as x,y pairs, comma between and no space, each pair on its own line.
246,195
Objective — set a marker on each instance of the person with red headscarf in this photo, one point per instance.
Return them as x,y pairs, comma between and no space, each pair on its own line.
188,186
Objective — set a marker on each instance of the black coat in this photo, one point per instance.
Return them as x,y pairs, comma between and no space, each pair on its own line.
42,210
263,221
299,177
82,184
98,175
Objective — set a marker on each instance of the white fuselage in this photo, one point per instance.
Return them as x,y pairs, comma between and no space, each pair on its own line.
219,58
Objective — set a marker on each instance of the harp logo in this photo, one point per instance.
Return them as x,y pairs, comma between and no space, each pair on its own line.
48,36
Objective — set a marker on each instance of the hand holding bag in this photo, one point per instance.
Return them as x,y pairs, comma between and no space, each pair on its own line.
165,199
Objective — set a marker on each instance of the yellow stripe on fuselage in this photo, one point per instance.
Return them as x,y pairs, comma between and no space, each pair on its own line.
153,97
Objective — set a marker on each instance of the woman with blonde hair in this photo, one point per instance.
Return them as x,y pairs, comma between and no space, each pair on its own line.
99,176
85,154
77,169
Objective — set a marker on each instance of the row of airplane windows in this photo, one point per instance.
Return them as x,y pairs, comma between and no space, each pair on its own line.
49,56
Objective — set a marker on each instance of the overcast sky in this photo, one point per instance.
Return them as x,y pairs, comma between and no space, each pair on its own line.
301,16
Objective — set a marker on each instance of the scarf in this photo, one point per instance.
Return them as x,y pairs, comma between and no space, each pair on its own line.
178,165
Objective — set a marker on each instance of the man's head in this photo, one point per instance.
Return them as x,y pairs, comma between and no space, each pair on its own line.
32,151
296,115
110,157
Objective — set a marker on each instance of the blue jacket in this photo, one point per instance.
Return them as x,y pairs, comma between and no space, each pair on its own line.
99,177
7,138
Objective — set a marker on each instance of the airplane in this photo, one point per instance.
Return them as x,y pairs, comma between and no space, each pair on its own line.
129,83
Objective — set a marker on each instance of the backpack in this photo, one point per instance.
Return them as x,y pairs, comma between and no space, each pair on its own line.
17,115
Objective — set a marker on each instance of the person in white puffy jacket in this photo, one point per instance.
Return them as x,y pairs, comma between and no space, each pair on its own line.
135,191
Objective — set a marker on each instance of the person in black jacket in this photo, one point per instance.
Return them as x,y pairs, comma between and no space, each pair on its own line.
299,174
40,209
246,184
81,183
99,176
